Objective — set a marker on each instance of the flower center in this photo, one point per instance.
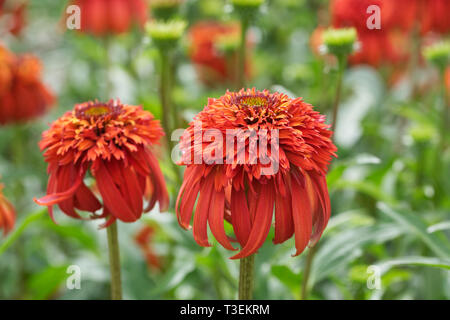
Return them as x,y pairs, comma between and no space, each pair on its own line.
97,110
254,101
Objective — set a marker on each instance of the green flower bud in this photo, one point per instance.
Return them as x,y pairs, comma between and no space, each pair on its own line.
165,9
340,42
246,8
438,54
228,43
166,34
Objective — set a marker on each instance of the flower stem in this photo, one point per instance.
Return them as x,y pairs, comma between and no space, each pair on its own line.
307,272
242,53
114,262
165,95
342,63
168,116
246,277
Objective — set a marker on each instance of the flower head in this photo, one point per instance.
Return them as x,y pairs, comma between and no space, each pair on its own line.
255,151
144,239
213,50
247,8
103,17
340,41
165,9
438,54
166,34
22,94
13,15
111,140
7,213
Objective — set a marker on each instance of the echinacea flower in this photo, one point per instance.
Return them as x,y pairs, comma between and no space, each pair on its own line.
213,50
144,240
13,14
235,184
23,96
435,16
7,213
103,17
376,46
111,141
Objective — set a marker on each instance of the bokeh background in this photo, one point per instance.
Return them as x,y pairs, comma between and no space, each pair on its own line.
389,188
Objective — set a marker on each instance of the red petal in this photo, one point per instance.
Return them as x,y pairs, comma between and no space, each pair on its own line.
301,211
112,198
216,219
85,199
261,225
240,216
201,212
284,224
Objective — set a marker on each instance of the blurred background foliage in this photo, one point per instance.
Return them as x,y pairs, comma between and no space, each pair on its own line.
386,208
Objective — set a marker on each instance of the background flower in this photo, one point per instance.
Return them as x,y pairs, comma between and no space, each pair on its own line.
23,96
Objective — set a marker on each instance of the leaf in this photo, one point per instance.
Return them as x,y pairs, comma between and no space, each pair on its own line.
338,251
367,188
75,233
288,278
43,284
417,226
385,266
21,228
444,225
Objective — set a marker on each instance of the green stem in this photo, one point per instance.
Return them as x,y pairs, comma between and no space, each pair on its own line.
246,278
445,111
307,272
242,53
168,117
342,61
108,66
114,262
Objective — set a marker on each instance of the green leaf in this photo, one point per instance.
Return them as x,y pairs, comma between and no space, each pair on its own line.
341,249
444,225
288,278
20,229
43,284
416,225
385,266
367,188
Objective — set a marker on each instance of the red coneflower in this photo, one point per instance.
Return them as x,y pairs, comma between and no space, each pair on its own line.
22,94
213,50
143,239
102,17
434,15
232,186
14,13
376,45
7,213
111,140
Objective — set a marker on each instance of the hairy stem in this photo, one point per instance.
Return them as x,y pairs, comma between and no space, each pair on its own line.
342,61
114,262
246,277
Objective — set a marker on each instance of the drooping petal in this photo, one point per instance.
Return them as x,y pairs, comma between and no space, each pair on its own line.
200,228
301,212
240,216
112,198
216,218
262,223
284,223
